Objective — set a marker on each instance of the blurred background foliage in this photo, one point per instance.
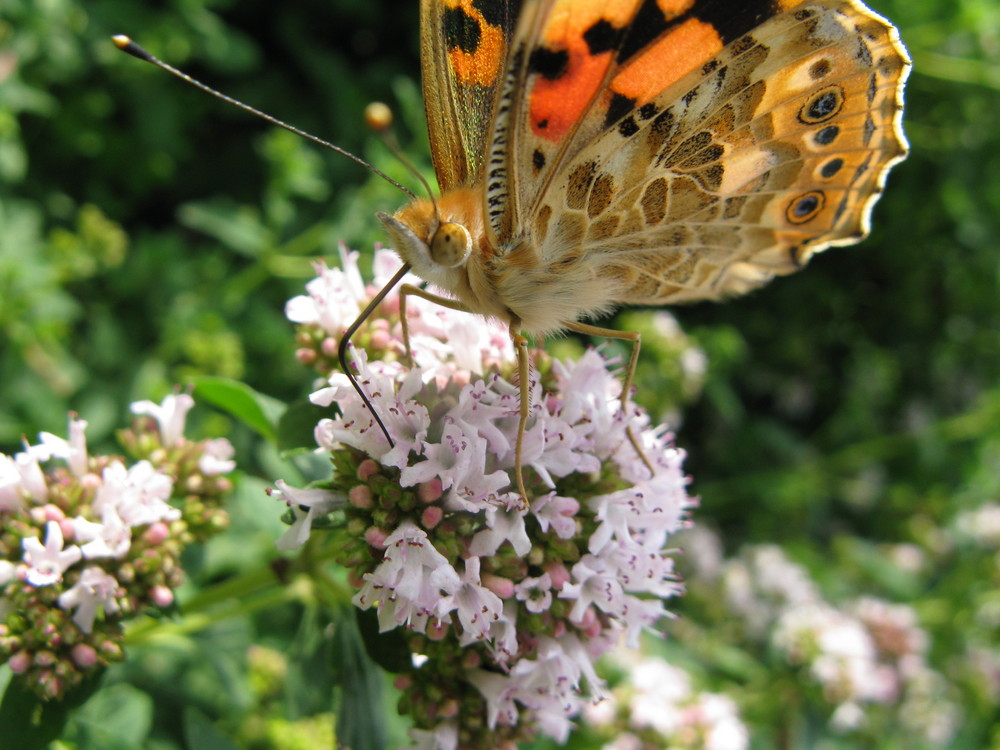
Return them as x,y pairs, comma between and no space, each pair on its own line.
149,234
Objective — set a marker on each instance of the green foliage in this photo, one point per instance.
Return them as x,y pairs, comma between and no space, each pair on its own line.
150,236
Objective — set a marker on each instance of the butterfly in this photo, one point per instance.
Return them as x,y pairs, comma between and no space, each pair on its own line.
598,153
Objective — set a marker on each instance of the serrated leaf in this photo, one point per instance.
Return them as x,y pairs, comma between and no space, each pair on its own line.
259,412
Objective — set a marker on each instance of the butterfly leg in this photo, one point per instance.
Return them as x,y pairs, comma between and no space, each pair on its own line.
521,347
635,339
407,290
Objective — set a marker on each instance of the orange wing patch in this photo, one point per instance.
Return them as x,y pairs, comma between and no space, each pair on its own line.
576,51
477,48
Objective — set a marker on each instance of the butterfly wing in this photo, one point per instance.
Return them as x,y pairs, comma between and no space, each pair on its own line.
464,46
705,152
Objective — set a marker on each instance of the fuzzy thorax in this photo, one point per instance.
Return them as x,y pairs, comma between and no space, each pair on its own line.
451,250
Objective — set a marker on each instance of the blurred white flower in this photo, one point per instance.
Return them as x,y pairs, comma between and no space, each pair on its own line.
47,563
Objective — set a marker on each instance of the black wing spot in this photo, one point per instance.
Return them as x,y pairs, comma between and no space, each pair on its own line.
550,64
461,31
647,24
831,168
806,207
620,106
827,135
647,110
627,127
497,14
601,37
822,106
819,69
743,45
732,20
538,160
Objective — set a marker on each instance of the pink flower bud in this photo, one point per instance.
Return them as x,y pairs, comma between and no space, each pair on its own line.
381,340
91,481
367,469
402,682
305,356
431,517
19,662
590,625
376,537
84,655
54,513
361,496
559,575
329,347
430,491
66,527
437,630
162,596
157,533
502,587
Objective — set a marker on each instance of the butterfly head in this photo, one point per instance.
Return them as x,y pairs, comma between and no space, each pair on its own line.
437,249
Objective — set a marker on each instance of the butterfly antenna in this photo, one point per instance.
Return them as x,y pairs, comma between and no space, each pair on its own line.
125,44
378,116
345,341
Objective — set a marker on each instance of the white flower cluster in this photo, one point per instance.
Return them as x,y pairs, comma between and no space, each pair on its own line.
981,525
91,539
869,653
124,499
442,341
454,433
659,697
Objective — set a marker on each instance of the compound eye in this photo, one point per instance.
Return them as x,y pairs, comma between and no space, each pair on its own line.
451,245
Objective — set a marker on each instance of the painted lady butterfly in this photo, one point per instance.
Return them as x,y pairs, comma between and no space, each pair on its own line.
596,153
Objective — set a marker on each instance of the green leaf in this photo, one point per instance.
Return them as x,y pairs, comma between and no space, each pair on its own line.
259,412
310,682
360,720
116,718
236,226
296,428
200,734
389,649
28,722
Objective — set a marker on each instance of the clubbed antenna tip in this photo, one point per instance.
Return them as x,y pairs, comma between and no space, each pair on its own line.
125,44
